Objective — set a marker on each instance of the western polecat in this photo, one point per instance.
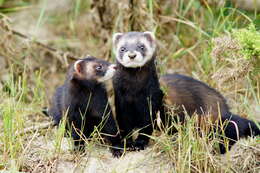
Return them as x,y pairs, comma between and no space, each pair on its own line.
138,96
192,96
83,98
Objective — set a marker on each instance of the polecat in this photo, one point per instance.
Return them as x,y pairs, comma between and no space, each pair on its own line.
83,98
192,96
138,96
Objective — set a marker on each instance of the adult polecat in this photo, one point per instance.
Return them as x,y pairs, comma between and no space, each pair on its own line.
192,96
138,96
83,99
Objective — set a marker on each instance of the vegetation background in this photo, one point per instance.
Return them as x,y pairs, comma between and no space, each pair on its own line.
215,41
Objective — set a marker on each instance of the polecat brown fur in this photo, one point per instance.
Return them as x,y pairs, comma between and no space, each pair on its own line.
83,98
192,96
138,96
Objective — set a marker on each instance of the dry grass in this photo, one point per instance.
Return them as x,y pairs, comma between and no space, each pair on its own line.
194,38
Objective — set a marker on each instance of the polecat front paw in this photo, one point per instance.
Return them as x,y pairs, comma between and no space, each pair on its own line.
140,145
117,152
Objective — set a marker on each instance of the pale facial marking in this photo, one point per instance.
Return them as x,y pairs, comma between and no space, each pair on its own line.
140,59
127,62
109,73
89,70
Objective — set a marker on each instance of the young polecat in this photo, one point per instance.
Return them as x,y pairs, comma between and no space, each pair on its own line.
193,96
83,98
137,92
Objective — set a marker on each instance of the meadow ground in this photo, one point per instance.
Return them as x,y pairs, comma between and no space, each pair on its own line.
209,40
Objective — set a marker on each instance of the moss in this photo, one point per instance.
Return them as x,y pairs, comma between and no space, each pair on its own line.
249,39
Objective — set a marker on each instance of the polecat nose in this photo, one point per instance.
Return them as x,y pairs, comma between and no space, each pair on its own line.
132,55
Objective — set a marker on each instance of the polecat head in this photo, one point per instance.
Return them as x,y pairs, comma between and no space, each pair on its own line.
134,49
93,69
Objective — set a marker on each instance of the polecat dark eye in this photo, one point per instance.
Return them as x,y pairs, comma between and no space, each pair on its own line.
122,49
99,67
141,47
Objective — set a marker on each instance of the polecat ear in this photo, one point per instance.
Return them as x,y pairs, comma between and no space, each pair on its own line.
149,36
78,67
116,38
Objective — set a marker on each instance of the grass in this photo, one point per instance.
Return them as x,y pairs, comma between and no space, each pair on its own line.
210,41
15,109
